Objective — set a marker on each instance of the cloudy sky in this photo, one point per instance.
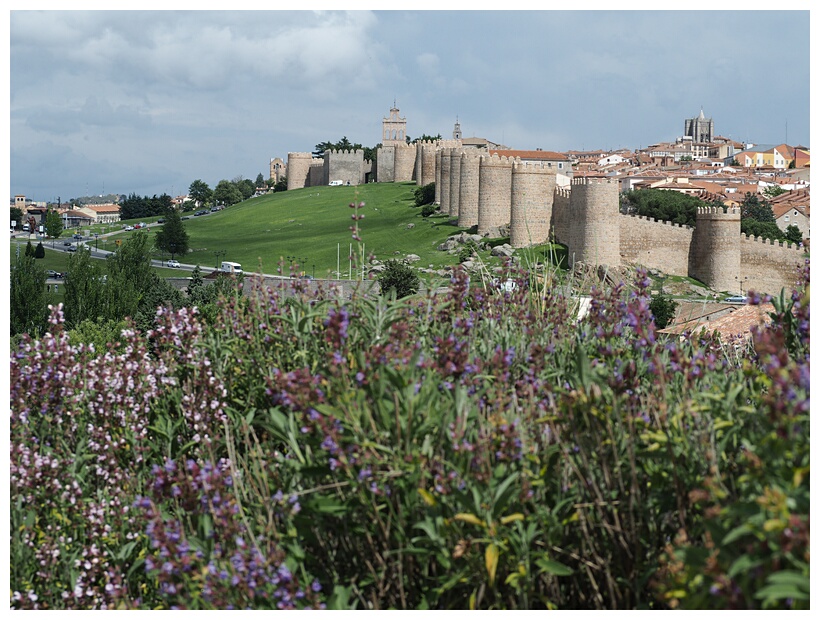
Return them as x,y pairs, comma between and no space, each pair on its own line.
147,102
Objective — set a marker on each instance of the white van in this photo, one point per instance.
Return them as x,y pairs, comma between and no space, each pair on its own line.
335,183
229,267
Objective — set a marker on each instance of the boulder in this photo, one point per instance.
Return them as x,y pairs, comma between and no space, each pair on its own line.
502,250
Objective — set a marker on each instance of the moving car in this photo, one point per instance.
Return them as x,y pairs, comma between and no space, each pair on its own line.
77,236
67,243
71,248
736,299
173,263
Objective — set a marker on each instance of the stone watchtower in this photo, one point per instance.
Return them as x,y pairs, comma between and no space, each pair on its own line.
714,256
495,185
532,189
595,234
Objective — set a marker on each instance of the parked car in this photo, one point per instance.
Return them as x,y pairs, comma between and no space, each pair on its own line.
185,218
71,248
129,228
160,221
736,299
53,274
77,236
173,263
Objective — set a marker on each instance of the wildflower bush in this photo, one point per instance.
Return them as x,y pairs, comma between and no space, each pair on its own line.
478,448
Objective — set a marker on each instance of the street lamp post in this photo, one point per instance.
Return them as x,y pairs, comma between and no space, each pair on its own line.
741,281
96,242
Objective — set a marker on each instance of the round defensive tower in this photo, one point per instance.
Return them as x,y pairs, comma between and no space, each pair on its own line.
419,149
715,255
405,162
531,195
494,186
444,196
595,221
428,163
438,177
455,180
298,169
468,188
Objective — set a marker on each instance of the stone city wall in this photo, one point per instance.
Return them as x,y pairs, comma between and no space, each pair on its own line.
344,165
655,243
714,258
468,188
531,193
444,180
405,162
385,164
767,266
455,181
438,178
495,186
428,163
594,211
298,169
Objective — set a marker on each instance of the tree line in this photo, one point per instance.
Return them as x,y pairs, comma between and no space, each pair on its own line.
100,296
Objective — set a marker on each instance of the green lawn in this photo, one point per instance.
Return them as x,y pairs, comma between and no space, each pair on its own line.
313,223
310,223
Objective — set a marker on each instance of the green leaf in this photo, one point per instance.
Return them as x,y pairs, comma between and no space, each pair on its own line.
340,598
736,533
780,591
553,567
791,577
742,565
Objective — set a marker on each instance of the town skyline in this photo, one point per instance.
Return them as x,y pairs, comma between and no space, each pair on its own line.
143,102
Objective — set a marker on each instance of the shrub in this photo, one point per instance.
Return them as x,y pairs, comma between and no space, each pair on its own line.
448,451
428,210
425,195
663,309
398,277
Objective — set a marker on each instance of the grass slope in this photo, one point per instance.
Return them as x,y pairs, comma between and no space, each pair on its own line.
312,223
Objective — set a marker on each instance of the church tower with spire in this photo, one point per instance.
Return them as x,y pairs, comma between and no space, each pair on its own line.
457,130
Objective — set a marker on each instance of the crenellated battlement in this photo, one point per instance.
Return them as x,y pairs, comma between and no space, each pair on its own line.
300,156
731,212
344,152
496,160
593,181
764,241
531,167
663,222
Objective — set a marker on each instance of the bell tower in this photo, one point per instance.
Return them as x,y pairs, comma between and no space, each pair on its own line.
457,130
394,128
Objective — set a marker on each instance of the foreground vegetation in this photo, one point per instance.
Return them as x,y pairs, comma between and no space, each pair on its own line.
474,449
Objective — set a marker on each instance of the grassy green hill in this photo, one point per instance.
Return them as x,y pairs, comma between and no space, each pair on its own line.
312,223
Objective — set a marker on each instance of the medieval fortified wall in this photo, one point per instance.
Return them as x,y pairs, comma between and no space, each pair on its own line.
488,191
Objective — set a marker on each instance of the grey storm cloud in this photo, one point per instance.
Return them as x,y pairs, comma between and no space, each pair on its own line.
215,94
